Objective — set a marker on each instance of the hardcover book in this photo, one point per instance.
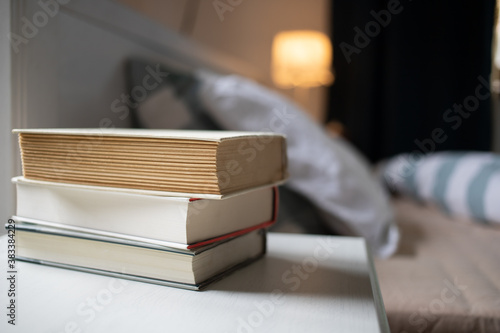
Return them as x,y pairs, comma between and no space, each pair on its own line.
142,261
143,215
189,163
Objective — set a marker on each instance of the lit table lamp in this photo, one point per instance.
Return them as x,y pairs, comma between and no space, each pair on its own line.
301,59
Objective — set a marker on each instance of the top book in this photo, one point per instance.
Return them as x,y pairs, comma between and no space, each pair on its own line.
188,163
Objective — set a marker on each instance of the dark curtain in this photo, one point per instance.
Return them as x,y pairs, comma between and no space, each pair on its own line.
412,75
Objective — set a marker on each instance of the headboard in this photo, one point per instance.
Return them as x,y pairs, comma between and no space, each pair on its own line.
72,69
67,66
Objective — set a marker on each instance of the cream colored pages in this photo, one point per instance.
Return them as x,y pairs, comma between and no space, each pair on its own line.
207,162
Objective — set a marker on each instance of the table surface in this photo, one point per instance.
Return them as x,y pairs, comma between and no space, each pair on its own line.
304,283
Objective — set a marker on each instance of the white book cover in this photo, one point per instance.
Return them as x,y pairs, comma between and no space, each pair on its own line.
181,220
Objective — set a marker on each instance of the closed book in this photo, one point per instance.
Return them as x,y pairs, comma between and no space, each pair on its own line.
141,214
190,163
141,261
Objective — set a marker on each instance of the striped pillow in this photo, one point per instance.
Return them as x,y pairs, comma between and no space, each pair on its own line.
462,183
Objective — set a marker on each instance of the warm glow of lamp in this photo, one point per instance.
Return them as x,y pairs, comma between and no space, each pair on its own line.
301,58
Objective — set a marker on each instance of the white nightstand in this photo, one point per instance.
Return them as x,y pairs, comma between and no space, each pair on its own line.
304,284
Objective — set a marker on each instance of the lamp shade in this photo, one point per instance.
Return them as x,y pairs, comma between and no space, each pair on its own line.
301,58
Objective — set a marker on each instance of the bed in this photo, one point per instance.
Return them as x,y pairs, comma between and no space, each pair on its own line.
445,276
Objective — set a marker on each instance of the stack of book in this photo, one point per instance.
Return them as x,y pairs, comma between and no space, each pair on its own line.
178,208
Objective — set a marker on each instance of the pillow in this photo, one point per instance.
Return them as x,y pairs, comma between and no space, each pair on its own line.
165,101
461,183
326,174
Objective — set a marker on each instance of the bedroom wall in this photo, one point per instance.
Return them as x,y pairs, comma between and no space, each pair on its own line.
245,31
